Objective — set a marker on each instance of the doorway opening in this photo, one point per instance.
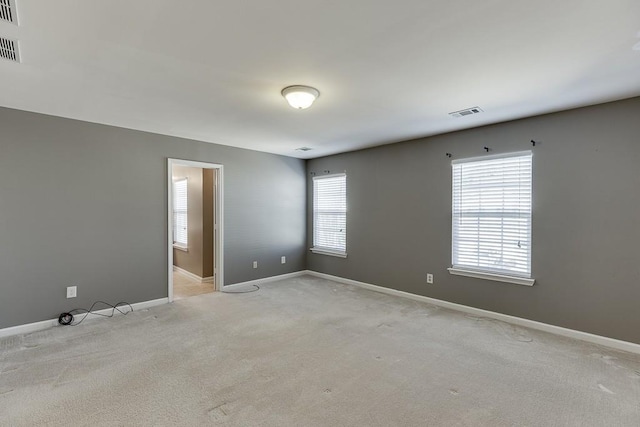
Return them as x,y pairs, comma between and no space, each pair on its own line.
195,228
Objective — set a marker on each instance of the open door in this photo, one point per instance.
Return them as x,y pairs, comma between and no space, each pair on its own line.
195,228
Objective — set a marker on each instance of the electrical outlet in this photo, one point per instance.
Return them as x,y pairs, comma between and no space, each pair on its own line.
255,264
283,260
429,278
72,291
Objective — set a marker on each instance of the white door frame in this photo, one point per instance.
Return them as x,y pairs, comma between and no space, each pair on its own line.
218,228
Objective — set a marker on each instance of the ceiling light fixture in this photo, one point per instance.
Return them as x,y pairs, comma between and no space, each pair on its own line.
300,97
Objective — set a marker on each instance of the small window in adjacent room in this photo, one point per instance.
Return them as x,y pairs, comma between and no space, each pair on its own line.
330,215
491,229
180,226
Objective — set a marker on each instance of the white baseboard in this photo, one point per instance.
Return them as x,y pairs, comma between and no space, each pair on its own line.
28,328
192,276
46,324
557,330
268,279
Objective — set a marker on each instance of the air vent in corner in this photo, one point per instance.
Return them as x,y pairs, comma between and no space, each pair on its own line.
9,49
466,112
8,11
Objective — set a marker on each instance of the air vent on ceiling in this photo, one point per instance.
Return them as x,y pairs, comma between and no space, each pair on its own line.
303,149
8,11
466,112
9,49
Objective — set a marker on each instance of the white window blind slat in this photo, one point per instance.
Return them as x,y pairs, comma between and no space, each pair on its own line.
180,212
491,200
330,213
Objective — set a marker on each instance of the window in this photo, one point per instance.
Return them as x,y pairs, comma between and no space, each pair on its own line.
330,215
491,233
180,213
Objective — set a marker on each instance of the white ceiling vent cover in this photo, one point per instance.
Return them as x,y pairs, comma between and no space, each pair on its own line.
9,49
466,112
8,11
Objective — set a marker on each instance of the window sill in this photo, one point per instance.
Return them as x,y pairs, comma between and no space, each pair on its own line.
180,247
492,276
328,252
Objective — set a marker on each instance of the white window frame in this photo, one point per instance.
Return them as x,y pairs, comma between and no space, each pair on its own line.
183,246
498,273
337,251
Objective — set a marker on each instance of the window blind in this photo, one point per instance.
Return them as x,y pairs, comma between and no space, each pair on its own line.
330,213
492,214
180,212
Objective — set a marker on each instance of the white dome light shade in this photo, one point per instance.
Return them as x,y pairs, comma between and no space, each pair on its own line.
300,97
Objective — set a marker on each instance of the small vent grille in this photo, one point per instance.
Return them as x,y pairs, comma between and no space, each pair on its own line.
303,149
9,49
8,11
466,112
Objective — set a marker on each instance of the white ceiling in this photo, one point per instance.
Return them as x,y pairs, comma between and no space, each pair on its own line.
387,70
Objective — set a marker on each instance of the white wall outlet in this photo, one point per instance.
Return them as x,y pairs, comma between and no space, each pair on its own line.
255,264
429,278
72,291
283,260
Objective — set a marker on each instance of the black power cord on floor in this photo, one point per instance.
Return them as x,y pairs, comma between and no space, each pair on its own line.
67,319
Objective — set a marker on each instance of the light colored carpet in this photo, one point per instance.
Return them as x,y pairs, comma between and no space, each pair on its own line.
310,352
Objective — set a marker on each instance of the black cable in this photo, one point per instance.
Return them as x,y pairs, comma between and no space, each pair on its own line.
68,318
257,288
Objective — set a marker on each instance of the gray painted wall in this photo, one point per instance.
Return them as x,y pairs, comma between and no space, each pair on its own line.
586,218
86,204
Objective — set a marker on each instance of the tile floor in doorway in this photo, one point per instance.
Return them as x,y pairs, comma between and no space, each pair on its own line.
184,286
